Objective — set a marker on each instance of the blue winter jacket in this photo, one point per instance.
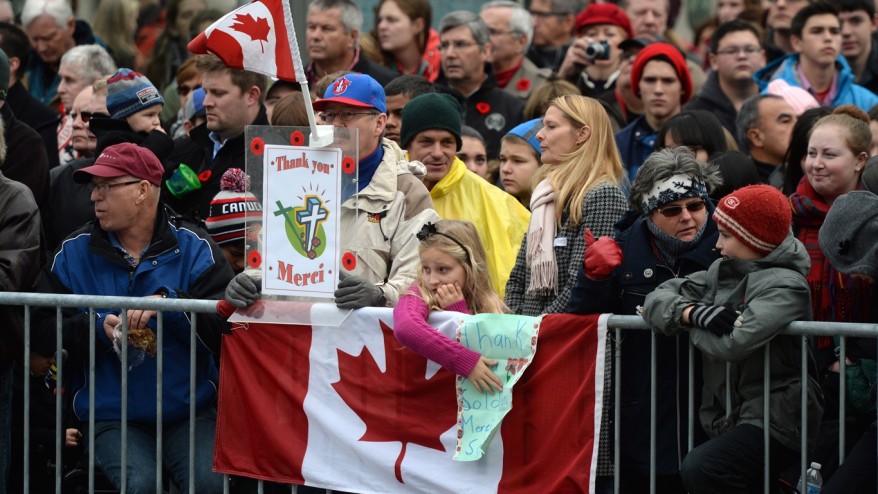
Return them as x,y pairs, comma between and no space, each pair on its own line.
848,93
635,142
181,262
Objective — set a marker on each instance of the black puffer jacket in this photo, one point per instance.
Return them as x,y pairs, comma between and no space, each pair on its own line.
196,151
20,259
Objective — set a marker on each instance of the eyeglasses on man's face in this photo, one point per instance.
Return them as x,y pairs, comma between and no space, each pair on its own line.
345,116
692,207
103,188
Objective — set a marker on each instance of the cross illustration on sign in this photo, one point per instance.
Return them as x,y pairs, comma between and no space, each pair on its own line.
310,218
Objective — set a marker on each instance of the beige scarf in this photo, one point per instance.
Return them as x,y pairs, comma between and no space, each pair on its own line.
540,241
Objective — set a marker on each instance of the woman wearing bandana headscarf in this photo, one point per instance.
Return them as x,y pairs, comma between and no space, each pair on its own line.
668,234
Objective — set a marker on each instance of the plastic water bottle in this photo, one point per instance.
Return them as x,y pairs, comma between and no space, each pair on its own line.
813,480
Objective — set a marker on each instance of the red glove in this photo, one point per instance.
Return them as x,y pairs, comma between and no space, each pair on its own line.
602,256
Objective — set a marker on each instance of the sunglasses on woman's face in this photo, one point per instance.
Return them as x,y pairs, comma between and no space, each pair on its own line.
692,207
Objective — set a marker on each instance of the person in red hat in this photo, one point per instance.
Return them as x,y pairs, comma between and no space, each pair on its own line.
660,77
138,248
731,313
592,62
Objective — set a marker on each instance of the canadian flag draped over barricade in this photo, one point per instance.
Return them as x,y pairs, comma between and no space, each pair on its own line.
349,408
258,37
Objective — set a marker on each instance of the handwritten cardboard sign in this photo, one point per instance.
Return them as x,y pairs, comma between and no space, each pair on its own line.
510,340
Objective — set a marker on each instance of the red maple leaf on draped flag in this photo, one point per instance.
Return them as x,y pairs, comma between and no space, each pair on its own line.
402,404
257,28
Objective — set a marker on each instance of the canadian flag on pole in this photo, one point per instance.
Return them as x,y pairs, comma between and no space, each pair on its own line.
349,408
258,37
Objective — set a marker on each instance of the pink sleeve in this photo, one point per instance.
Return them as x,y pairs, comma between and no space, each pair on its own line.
411,329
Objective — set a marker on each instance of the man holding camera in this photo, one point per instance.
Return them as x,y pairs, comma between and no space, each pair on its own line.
592,62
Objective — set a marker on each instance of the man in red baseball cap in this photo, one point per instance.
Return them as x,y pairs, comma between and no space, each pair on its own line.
592,62
660,77
138,248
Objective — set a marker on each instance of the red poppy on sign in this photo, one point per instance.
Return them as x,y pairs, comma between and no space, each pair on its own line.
297,138
257,145
347,165
254,259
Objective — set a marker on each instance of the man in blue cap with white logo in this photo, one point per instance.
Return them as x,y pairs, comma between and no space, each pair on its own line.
380,222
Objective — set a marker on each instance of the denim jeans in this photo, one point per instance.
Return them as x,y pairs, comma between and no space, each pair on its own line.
5,426
733,462
141,457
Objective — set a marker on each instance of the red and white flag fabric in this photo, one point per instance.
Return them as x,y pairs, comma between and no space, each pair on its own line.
348,408
258,37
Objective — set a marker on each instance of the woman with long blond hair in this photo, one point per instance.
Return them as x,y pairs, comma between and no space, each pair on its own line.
578,190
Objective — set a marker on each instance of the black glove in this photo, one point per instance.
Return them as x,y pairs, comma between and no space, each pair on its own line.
355,293
242,290
717,319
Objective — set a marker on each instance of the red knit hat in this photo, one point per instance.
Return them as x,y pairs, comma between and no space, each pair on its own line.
604,13
670,53
757,215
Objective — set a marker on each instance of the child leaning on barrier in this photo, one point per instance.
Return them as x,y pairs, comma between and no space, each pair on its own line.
732,312
453,276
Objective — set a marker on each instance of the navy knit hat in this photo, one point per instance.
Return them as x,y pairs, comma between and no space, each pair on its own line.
427,112
129,92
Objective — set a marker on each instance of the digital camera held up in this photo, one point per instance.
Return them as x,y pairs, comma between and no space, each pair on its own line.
598,50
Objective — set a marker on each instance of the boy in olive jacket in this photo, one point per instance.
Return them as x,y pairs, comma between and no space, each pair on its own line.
732,312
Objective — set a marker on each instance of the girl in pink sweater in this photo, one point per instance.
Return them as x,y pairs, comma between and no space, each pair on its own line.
454,277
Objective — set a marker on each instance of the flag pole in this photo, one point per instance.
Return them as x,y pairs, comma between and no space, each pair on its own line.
321,135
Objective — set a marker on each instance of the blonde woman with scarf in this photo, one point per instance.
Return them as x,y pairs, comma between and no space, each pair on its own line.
577,189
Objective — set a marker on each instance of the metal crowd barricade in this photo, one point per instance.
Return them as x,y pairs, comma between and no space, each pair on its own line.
805,329
615,323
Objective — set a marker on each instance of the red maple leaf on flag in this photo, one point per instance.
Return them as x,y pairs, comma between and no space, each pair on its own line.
400,404
257,28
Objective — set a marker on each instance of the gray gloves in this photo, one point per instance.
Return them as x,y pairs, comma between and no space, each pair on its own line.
355,293
243,290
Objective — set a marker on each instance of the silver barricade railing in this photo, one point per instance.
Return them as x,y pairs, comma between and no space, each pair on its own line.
805,329
618,323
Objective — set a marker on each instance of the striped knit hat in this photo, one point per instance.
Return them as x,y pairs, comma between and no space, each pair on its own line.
231,207
129,92
757,215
